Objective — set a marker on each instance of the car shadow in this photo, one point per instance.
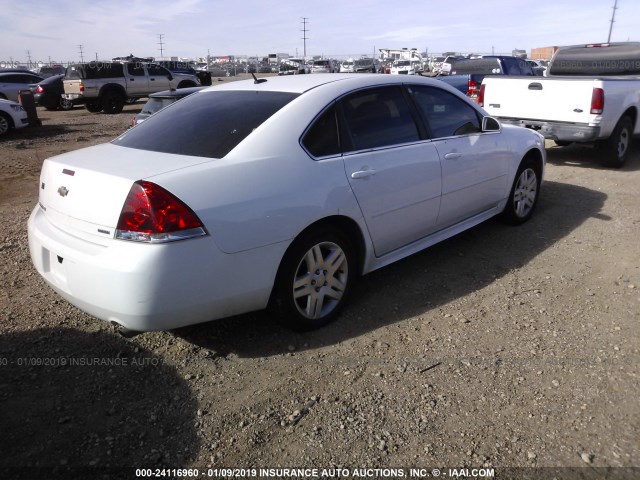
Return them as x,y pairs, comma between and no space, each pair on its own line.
583,156
74,404
418,284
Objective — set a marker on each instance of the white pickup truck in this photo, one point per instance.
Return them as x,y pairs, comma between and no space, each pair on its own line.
591,95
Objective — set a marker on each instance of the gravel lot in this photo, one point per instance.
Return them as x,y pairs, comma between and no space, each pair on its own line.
502,347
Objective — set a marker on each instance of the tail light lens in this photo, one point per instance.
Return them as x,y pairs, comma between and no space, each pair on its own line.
597,101
39,89
81,86
472,89
153,215
481,96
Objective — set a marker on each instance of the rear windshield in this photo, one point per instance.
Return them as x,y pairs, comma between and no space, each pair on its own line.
601,61
94,70
154,105
206,124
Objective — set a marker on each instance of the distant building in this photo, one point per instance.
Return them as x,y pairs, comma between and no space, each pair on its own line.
544,53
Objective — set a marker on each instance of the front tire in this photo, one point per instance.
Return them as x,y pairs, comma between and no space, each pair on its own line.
616,147
65,104
93,106
314,280
523,197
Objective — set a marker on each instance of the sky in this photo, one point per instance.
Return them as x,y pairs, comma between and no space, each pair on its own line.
54,29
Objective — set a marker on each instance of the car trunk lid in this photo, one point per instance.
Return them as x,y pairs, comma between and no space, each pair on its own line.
83,192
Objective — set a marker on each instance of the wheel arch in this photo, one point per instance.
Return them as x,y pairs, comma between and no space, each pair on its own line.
112,87
632,113
535,155
344,224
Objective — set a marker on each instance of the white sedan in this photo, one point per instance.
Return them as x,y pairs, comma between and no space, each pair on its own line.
12,115
276,193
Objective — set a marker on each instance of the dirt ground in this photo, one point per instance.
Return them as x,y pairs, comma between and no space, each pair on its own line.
504,347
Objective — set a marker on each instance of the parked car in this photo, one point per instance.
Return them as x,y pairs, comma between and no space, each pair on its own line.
539,67
244,195
323,66
348,66
365,65
404,67
12,115
11,83
49,94
293,66
106,86
467,74
157,101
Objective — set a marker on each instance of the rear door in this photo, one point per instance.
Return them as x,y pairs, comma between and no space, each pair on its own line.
394,173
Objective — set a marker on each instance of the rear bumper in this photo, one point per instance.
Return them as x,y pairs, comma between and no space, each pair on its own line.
151,287
568,132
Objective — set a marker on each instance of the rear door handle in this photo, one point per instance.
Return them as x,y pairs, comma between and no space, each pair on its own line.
452,155
363,174
535,86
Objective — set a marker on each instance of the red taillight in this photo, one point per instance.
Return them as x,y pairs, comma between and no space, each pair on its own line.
81,86
597,101
39,89
472,89
152,214
481,96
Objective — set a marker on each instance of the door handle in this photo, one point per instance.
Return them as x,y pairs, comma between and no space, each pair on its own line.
452,155
363,174
152,79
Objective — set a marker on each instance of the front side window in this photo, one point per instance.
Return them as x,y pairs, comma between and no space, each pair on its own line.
446,114
377,117
208,124
135,69
155,70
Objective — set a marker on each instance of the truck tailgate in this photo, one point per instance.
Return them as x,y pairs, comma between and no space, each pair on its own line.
72,86
534,98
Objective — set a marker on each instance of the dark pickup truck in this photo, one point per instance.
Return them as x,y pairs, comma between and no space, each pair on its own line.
467,74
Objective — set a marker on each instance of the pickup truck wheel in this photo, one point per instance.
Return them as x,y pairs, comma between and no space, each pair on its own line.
523,197
93,106
616,147
112,102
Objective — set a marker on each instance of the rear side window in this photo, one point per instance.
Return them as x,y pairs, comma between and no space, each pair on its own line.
157,70
322,139
377,117
446,114
208,124
95,70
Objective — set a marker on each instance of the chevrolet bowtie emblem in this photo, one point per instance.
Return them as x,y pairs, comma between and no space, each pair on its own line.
63,191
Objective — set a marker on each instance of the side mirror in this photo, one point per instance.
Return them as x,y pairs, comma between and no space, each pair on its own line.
490,124
169,76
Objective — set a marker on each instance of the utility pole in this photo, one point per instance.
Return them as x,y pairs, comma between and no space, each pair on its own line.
29,59
161,43
613,16
304,34
81,54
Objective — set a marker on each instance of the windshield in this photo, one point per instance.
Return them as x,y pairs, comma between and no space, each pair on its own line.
208,124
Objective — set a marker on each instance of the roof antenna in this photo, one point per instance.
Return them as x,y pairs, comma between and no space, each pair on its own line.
256,79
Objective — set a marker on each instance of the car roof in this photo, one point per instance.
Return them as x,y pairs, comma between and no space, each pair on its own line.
342,81
14,73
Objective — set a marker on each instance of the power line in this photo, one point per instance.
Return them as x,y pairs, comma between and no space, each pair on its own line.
81,54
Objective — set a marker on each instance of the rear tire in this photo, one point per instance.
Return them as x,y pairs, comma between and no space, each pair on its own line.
112,103
616,148
314,279
6,123
523,197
